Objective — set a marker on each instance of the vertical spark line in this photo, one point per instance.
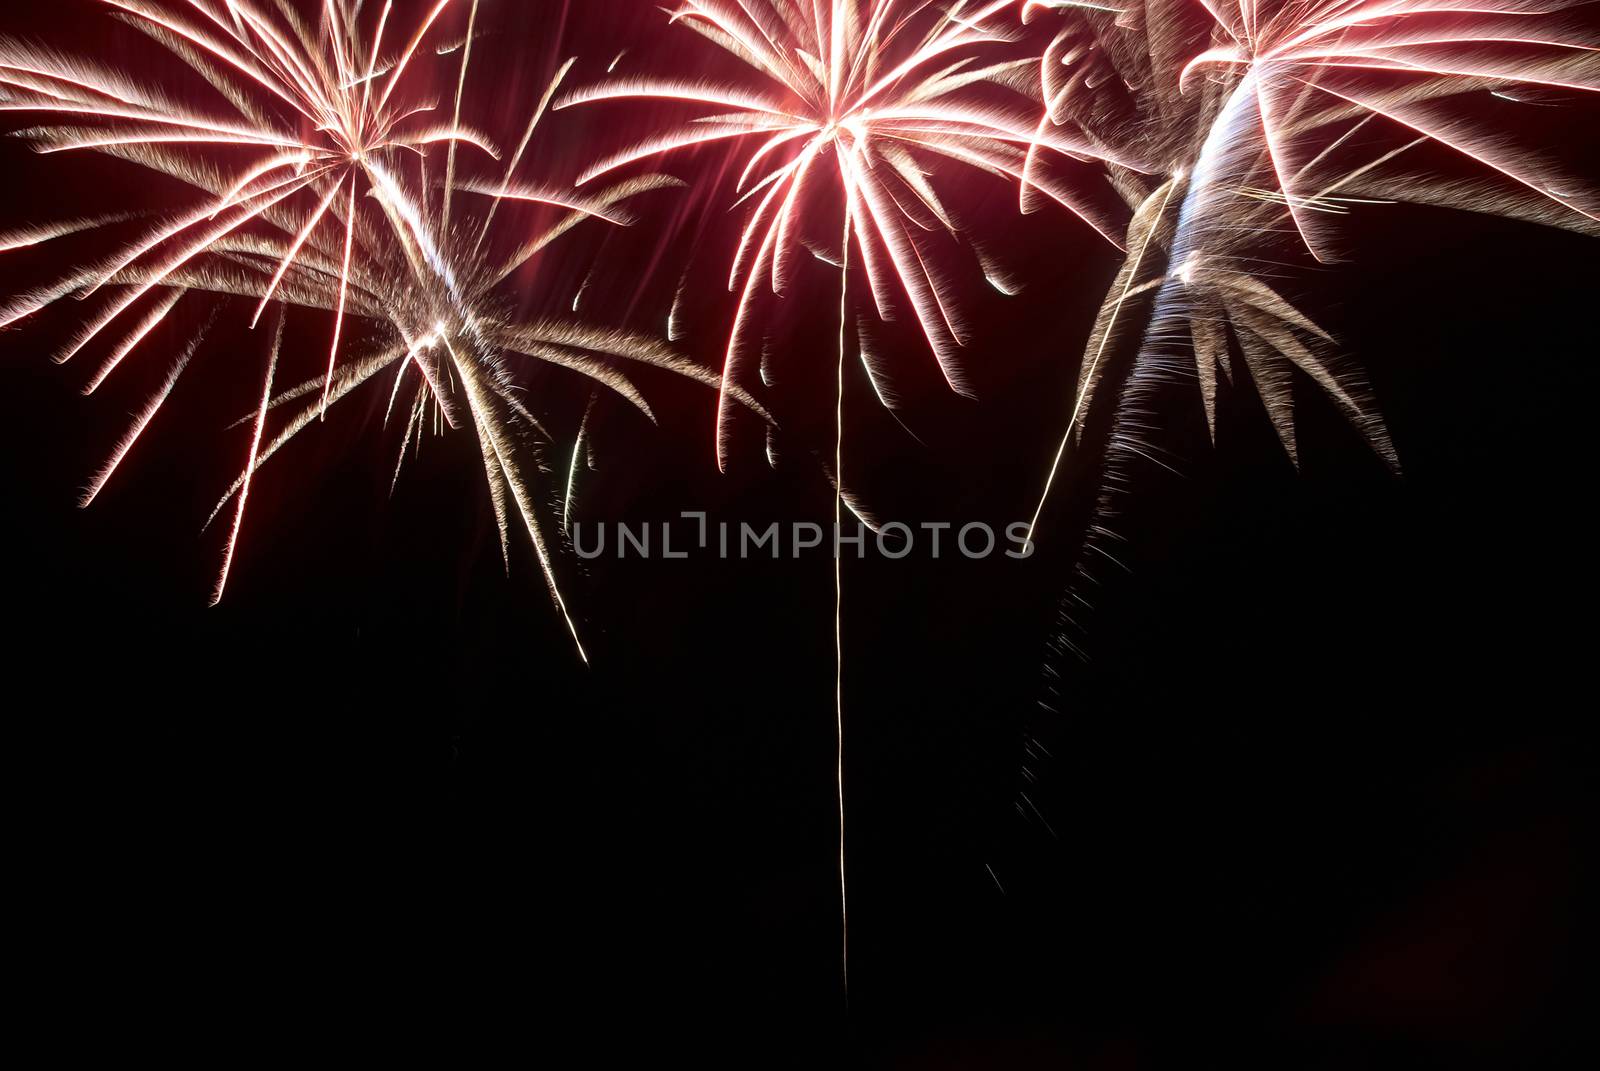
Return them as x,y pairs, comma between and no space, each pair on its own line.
838,600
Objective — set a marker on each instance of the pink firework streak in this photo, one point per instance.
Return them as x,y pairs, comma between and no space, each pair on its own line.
1306,63
883,87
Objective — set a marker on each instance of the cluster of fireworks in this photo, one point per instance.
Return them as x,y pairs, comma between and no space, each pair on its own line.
1214,142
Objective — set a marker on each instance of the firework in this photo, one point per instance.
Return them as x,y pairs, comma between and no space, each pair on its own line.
319,107
342,219
1273,122
889,90
1262,129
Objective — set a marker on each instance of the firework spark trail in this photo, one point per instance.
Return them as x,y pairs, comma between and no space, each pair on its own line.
37,234
140,333
887,88
255,451
838,598
142,421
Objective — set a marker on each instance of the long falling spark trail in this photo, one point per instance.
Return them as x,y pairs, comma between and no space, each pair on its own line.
838,602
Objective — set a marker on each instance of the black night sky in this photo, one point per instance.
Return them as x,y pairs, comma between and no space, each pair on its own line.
1312,798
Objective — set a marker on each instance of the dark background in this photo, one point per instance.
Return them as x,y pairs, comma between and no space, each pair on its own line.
1311,800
